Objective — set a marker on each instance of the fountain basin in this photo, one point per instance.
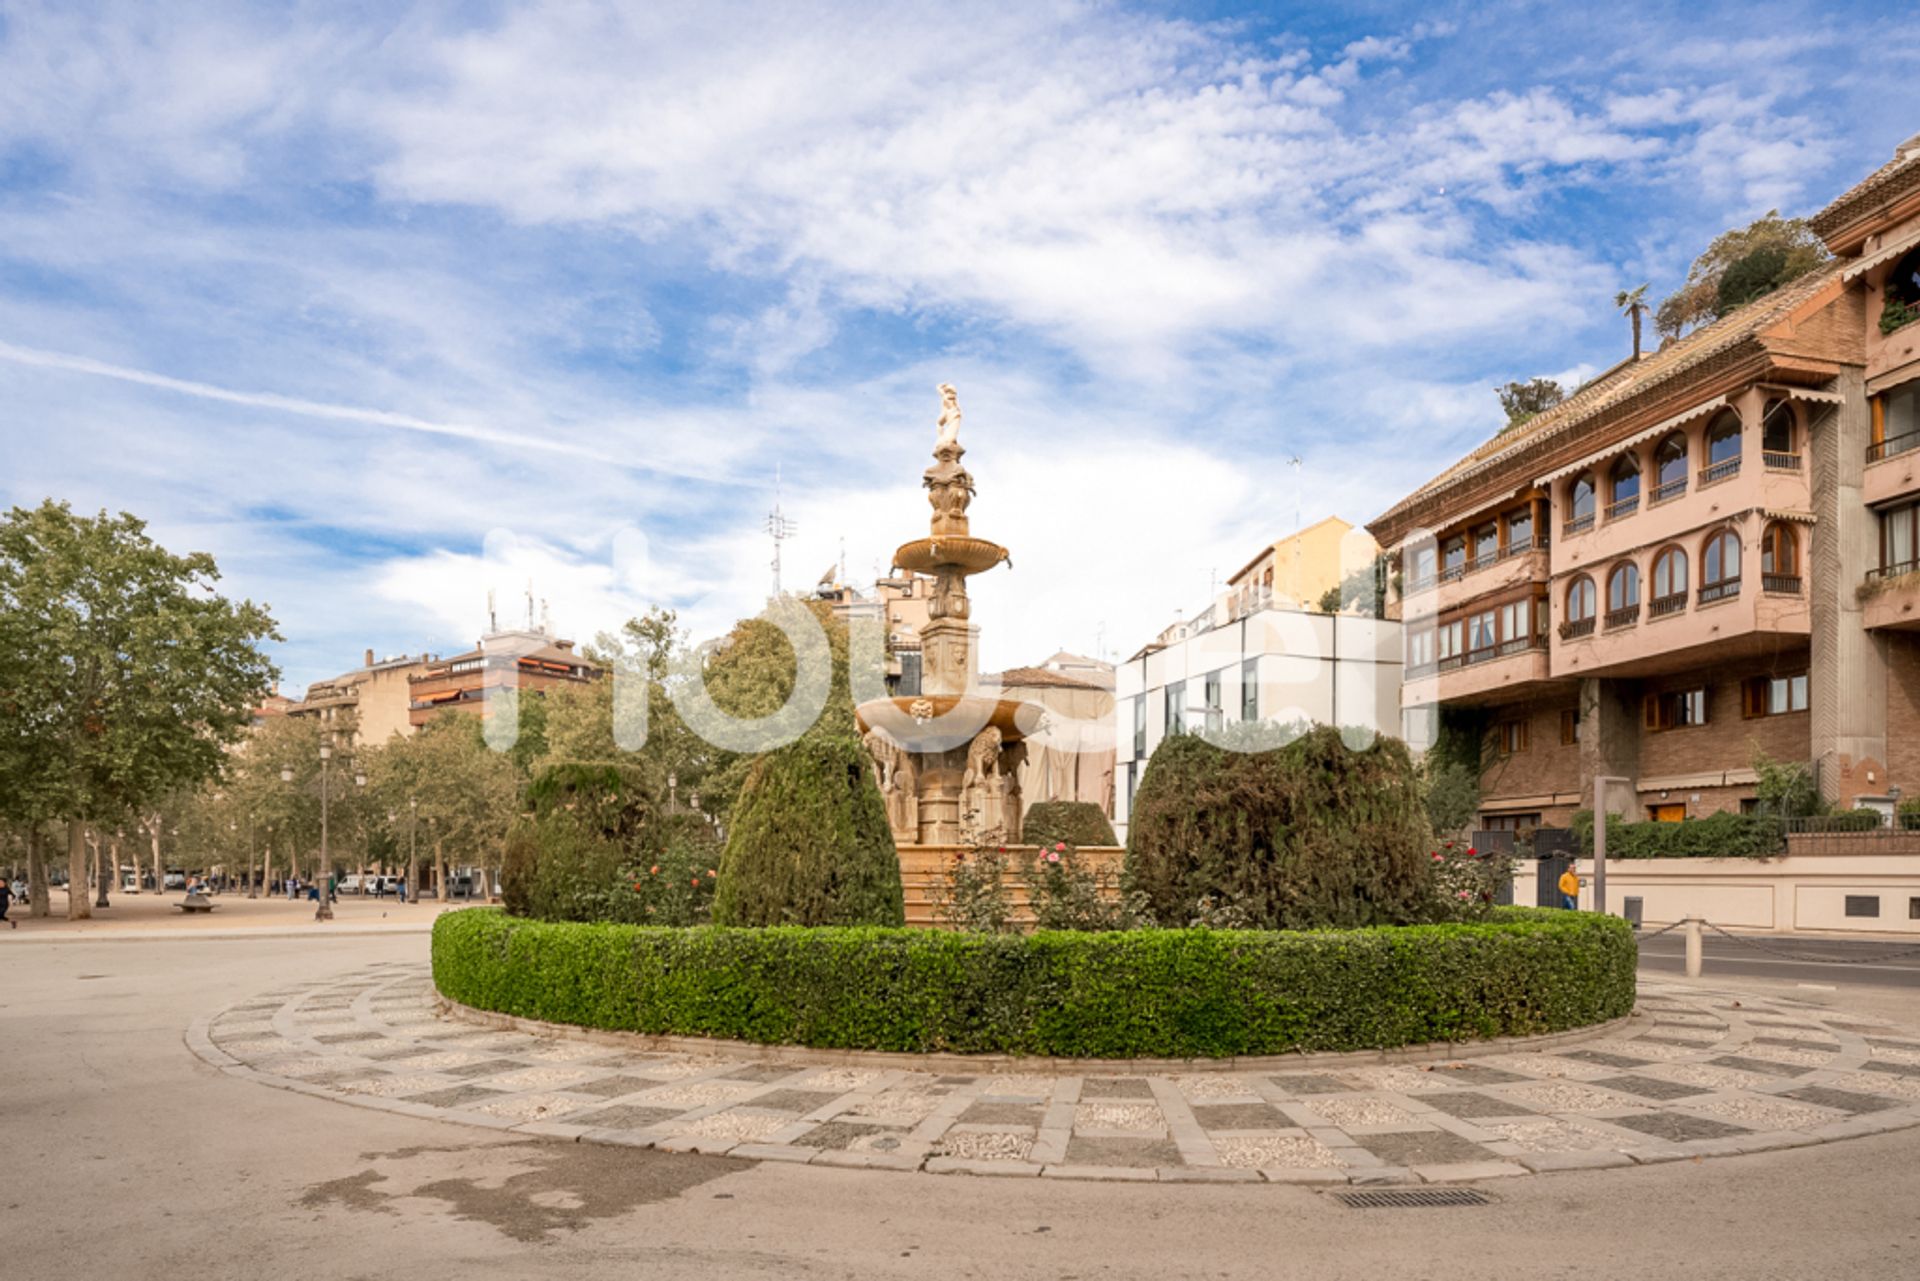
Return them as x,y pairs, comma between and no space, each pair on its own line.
930,555
956,719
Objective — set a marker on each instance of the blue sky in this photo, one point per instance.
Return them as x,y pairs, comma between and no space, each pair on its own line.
386,306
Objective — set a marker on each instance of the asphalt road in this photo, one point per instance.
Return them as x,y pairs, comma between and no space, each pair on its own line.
122,1155
1886,965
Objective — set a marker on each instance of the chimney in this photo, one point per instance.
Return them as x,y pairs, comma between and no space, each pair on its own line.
369,656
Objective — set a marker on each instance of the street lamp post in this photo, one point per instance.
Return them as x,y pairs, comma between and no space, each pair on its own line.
325,870
286,776
413,851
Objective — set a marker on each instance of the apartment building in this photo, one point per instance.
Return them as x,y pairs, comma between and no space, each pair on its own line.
530,660
1704,556
366,705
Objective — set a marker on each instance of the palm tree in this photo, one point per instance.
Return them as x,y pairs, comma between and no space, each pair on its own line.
1634,303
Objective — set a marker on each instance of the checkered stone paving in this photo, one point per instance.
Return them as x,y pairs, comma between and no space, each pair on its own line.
1694,1073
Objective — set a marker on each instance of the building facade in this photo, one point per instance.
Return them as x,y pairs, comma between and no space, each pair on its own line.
367,705
531,660
1071,756
1301,568
1704,560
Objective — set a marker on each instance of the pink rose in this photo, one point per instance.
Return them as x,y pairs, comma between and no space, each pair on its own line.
1061,847
1053,856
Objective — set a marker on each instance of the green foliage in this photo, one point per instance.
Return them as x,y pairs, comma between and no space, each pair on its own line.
1450,773
1075,822
1897,315
1785,789
1468,881
1724,835
972,893
1762,256
1310,835
1522,401
1067,893
1152,993
809,842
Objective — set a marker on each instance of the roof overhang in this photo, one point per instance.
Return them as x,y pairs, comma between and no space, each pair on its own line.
1886,254
1639,438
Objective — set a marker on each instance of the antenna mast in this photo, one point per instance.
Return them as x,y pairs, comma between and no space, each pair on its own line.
779,528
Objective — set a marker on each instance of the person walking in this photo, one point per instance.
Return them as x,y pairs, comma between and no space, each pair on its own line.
1570,889
6,900
403,889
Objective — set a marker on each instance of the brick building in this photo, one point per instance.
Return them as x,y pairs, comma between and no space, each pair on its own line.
524,660
367,705
1706,555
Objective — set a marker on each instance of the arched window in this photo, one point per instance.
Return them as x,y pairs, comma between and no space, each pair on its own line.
1776,434
1623,588
1780,558
1580,602
1670,468
1723,447
1623,488
1669,582
1580,500
1720,566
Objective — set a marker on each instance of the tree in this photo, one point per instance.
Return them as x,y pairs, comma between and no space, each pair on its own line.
809,842
123,674
1524,400
1633,302
1767,253
445,778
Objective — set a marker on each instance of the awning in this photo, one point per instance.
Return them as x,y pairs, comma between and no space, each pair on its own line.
1797,518
1658,429
1887,254
1803,393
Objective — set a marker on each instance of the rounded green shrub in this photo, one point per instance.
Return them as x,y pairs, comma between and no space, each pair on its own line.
808,842
1123,994
1311,835
1075,822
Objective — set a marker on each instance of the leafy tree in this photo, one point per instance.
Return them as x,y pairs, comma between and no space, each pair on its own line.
1762,256
809,842
460,793
123,675
1522,401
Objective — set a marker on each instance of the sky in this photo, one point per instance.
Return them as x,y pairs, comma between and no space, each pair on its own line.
388,306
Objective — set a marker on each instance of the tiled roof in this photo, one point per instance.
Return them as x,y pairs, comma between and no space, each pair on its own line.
1623,382
1045,678
1901,171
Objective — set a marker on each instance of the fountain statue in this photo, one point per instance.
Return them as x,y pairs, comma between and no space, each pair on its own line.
948,760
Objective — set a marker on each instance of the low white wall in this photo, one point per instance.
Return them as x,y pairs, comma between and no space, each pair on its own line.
1783,895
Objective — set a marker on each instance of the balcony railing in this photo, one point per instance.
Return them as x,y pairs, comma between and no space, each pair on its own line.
1780,462
1625,507
1578,525
1623,617
1892,445
1485,654
1710,592
1661,606
1667,492
1518,645
1577,628
1453,573
1895,570
1720,471
1781,584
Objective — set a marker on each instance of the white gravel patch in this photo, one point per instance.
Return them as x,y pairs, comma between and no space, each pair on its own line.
540,1078
984,1145
441,1061
1396,1078
1141,1117
1649,1050
1279,1152
1784,1054
1552,1136
1214,1086
1353,1111
745,1127
1551,1066
1886,1054
842,1079
1768,1114
566,1051
1709,1077
1564,1097
899,1106
256,1049
535,1107
1894,1087
1018,1087
697,1094
389,1087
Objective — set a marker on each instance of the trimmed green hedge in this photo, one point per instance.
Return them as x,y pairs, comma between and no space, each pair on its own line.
1723,835
1125,994
1075,822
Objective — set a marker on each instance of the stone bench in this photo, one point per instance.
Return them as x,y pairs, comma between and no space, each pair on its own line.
195,903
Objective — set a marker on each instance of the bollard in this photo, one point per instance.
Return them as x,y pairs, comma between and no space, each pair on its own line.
1693,947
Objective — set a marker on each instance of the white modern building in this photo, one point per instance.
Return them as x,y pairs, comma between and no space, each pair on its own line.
1253,660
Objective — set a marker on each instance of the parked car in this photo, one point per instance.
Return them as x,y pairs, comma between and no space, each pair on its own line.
130,883
175,880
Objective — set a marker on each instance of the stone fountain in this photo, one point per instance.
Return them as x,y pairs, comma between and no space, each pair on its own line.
948,758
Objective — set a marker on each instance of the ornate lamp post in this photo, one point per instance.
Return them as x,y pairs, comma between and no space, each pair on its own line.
286,776
413,851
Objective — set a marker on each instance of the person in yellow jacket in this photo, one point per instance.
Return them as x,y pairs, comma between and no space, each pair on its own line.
1570,889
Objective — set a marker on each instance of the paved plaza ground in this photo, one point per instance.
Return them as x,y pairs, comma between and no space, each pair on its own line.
126,1154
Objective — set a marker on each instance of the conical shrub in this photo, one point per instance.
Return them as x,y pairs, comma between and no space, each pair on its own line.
1311,835
809,842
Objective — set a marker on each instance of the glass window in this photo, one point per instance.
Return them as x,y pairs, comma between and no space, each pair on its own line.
1250,686
1213,710
1670,461
1486,543
1453,555
1623,587
1447,641
1520,528
1775,695
1720,562
1140,726
1480,633
1776,428
1177,708
1581,499
1903,282
1723,438
1514,620
1422,565
1669,573
1580,599
1896,537
1779,551
1900,410
1419,652
1626,480
1676,709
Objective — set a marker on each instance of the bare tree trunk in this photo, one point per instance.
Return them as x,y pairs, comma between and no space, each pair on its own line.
77,864
154,823
107,871
439,870
38,899
266,869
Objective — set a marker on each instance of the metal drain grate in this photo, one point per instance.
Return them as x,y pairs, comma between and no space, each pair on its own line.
1404,1198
